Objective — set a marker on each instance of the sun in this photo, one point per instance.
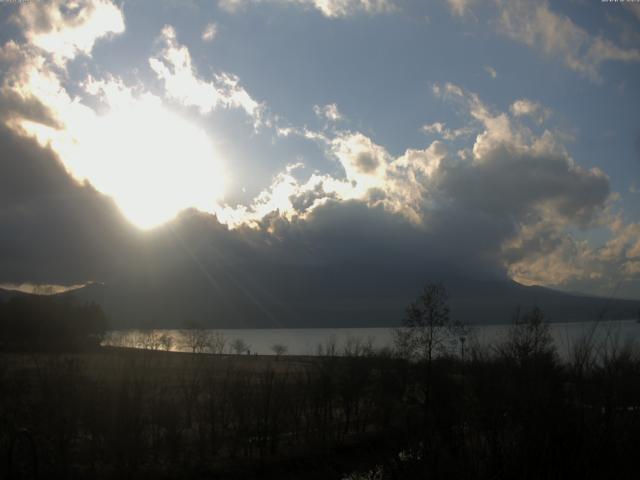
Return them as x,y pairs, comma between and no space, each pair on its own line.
153,162
164,164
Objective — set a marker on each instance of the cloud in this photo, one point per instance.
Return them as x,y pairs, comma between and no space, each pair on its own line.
460,7
328,8
491,71
528,183
436,127
64,29
210,32
22,88
536,25
521,197
97,135
503,203
553,257
362,240
53,229
525,107
440,129
343,8
329,112
634,8
174,67
232,6
359,156
371,175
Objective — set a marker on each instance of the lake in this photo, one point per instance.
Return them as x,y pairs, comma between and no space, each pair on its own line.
314,341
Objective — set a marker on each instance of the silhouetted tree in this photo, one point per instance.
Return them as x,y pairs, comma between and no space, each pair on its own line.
239,346
279,349
166,341
216,342
33,322
196,339
427,328
528,338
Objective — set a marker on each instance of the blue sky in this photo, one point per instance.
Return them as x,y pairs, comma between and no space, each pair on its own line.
378,69
420,109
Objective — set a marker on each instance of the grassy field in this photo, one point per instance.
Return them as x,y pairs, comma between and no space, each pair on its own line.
109,361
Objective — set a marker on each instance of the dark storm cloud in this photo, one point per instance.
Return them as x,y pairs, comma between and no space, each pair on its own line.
366,163
52,229
510,182
345,263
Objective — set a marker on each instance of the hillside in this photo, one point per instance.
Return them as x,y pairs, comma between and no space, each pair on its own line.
172,305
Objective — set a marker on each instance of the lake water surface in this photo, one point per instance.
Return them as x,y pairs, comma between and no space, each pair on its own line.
312,341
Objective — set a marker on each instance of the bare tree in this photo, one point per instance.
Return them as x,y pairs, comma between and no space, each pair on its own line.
427,328
279,349
239,346
166,341
529,337
329,348
115,339
195,339
216,342
148,340
358,347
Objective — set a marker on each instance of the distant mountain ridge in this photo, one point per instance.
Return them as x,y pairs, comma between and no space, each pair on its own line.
173,303
164,306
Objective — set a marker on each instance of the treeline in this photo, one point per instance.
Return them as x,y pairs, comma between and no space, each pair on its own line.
50,322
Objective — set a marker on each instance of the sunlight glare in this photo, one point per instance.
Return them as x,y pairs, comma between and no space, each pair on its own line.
151,161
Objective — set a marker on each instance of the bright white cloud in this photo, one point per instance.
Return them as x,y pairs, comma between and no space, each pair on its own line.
343,8
364,162
232,6
173,65
439,128
66,29
329,8
330,112
210,32
436,127
525,107
536,25
132,150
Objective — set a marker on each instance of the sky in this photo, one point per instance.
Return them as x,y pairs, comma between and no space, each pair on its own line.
363,139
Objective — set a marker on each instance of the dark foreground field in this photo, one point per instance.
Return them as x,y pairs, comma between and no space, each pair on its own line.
513,411
123,413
